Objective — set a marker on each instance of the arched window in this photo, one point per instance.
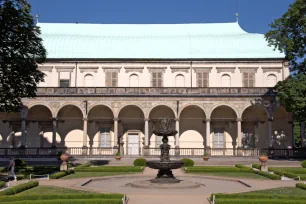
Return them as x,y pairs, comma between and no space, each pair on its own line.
226,80
88,80
134,80
180,80
271,80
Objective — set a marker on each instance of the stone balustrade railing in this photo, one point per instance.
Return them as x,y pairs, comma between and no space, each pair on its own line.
154,91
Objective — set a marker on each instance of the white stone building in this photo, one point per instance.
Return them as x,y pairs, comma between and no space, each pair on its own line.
106,84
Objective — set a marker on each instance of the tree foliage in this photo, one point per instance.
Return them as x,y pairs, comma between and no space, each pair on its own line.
21,50
288,34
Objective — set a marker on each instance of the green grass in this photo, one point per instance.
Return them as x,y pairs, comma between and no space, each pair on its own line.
296,170
234,175
94,174
47,190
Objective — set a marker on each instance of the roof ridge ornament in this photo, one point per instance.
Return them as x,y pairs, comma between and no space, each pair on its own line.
37,17
237,17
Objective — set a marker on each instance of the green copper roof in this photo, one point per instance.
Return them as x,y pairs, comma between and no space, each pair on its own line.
153,41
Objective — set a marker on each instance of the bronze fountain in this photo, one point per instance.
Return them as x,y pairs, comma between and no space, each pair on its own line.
164,128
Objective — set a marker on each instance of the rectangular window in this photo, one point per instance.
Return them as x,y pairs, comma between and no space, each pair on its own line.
202,79
248,79
64,83
111,79
218,138
105,137
156,79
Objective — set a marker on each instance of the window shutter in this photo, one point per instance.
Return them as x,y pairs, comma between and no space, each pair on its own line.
160,79
154,79
199,79
114,79
205,79
245,79
107,79
251,79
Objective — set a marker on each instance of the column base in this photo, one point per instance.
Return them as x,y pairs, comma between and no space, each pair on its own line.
177,150
146,151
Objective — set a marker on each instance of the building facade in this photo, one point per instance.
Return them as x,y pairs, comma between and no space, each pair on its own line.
105,85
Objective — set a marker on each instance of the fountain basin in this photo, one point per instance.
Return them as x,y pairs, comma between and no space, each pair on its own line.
165,165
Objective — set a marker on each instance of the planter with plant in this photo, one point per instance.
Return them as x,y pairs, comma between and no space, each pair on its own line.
263,158
206,156
117,156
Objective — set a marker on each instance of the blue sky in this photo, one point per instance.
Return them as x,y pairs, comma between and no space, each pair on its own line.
254,15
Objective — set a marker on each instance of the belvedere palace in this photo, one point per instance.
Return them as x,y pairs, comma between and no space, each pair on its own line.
106,84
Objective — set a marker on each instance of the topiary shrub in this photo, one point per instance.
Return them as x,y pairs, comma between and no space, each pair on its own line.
20,163
304,164
188,162
140,162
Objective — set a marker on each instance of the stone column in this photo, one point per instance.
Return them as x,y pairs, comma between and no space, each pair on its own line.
270,132
147,138
23,113
177,136
239,133
54,123
115,132
208,133
303,139
85,133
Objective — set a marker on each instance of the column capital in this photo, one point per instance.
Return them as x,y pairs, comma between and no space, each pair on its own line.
116,119
54,119
85,119
146,119
239,120
270,119
208,120
177,119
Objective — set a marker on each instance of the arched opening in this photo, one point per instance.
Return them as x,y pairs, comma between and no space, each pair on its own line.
157,112
255,128
134,80
192,127
282,129
179,80
40,127
271,80
101,127
88,80
225,80
223,127
10,129
131,129
70,127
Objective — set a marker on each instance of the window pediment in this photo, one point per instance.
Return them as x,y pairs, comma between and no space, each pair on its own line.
226,69
45,68
271,69
129,69
157,69
180,69
202,69
248,69
88,69
64,68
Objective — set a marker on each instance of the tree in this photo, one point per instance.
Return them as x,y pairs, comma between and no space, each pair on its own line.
21,50
288,35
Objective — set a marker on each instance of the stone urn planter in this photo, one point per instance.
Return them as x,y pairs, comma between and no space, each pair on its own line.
263,158
64,166
117,156
206,156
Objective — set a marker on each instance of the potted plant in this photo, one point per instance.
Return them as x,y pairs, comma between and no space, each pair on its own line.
263,158
206,156
117,156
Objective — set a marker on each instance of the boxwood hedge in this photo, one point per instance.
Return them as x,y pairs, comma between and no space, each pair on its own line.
61,174
301,185
71,201
258,201
199,169
60,197
256,166
19,188
268,175
110,169
256,196
2,184
304,164
140,162
188,162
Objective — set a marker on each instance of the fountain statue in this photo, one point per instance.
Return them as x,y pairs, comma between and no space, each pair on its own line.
165,128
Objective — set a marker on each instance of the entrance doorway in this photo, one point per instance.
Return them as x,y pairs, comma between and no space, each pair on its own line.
133,144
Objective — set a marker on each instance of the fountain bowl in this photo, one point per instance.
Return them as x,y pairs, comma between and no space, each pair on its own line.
165,165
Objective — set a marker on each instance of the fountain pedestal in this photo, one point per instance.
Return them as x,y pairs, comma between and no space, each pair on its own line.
165,165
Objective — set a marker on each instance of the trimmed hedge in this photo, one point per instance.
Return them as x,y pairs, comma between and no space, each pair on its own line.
140,162
63,196
199,169
2,184
295,170
258,201
188,162
256,166
268,175
303,164
20,163
61,174
256,196
83,166
301,185
110,169
19,188
71,201
287,174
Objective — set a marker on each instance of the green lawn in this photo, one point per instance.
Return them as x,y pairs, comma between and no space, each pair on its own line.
94,174
48,190
234,175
